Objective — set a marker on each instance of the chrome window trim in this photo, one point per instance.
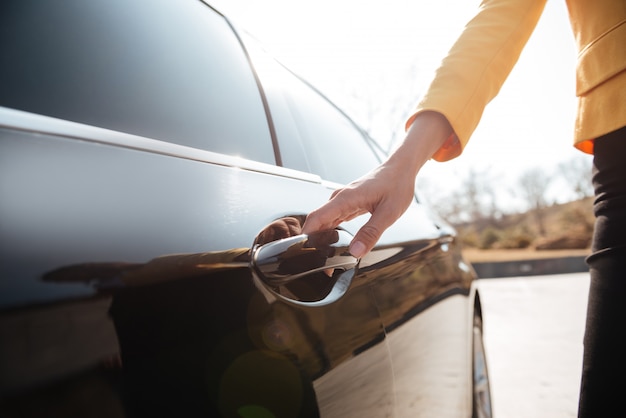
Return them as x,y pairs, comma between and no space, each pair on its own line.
46,125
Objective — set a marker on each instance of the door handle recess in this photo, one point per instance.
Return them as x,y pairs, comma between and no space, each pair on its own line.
281,262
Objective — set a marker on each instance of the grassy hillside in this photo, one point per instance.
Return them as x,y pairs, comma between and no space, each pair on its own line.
560,229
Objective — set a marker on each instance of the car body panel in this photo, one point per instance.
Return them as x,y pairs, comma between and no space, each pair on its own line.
131,281
102,241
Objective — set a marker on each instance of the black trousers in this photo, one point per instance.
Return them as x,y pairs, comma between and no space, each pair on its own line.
603,386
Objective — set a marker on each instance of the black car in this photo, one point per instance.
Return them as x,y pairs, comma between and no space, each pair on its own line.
156,167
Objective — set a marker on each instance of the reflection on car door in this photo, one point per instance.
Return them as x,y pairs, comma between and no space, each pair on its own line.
170,244
127,270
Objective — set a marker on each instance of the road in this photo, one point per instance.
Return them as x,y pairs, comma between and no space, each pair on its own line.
533,329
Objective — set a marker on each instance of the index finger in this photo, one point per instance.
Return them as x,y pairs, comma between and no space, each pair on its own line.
330,215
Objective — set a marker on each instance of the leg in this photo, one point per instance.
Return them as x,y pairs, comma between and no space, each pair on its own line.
604,362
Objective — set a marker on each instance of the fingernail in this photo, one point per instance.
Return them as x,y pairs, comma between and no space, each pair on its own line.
357,249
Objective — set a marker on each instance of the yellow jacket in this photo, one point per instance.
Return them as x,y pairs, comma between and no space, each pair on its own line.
485,53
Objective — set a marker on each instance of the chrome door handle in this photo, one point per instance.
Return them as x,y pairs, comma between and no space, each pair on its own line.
280,262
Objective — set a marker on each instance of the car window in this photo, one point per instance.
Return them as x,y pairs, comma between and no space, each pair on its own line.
313,134
150,68
337,149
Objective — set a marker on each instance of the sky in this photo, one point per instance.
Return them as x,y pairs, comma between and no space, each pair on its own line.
374,59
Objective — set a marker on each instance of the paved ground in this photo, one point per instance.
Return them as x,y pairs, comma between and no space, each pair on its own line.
534,328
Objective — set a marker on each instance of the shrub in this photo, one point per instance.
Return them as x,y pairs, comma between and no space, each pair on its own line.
488,238
515,240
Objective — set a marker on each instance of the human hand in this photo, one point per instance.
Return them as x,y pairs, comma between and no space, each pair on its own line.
385,192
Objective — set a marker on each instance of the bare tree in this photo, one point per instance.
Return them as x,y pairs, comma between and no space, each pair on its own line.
473,200
383,104
533,185
577,173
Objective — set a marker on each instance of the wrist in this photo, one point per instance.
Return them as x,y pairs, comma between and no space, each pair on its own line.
425,137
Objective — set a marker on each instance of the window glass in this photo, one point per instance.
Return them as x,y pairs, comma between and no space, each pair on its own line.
167,70
337,149
313,135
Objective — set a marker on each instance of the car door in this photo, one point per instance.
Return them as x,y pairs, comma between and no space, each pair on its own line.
138,171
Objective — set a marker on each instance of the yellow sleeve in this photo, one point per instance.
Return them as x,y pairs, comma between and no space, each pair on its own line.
477,66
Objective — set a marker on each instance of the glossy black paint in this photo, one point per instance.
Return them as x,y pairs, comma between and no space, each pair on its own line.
175,268
142,277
